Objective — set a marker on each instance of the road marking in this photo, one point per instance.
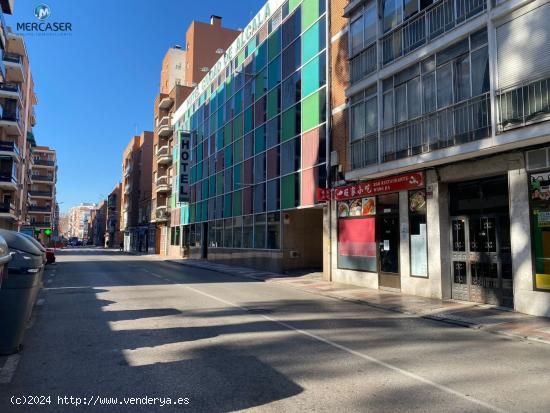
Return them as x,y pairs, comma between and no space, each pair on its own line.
40,301
66,288
6,372
350,351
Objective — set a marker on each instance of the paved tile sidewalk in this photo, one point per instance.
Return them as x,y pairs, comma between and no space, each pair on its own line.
481,317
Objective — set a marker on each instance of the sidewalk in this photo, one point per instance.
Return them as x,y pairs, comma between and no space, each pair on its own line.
476,316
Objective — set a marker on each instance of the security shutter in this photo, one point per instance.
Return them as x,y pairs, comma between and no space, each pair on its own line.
523,47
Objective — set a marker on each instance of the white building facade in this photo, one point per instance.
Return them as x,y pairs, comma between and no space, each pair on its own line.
447,182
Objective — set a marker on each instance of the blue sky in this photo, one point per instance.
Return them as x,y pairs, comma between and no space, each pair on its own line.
98,85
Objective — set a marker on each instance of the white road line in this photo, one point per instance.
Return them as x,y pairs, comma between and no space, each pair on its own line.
66,288
353,352
6,372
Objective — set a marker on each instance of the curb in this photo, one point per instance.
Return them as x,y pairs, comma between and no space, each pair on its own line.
433,317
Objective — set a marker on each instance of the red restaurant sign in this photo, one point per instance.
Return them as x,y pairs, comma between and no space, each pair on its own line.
403,182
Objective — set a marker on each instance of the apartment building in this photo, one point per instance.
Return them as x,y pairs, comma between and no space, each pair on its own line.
96,225
17,118
139,235
113,236
41,191
78,220
444,183
182,69
252,145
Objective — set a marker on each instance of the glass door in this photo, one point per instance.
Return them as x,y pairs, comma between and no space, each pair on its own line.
388,241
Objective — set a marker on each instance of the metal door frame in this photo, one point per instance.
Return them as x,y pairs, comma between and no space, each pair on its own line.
381,273
469,257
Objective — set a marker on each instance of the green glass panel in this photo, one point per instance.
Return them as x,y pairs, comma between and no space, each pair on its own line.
248,119
204,189
193,174
274,73
238,151
191,213
238,101
237,176
219,139
289,123
213,125
292,4
274,44
228,158
311,116
204,210
219,183
273,103
212,186
259,139
310,42
261,84
261,56
228,135
311,79
237,203
199,151
288,191
250,47
198,211
238,127
199,171
241,57
227,206
221,116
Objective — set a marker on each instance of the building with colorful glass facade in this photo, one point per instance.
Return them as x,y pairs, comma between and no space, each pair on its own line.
252,145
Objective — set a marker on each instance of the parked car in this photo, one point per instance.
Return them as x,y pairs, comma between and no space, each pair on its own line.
50,255
5,258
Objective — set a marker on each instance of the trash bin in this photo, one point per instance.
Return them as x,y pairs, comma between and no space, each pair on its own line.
5,257
19,289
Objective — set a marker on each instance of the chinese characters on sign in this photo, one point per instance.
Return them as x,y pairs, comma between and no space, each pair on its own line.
403,182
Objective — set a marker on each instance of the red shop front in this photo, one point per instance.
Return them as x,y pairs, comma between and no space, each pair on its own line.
368,224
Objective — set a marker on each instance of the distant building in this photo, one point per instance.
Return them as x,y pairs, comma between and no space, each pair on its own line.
41,192
113,235
136,194
78,220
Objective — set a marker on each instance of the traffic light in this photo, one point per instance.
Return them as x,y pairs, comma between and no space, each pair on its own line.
48,232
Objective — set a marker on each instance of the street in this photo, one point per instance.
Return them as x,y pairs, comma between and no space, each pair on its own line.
111,327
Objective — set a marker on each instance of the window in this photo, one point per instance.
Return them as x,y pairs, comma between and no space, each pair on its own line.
248,231
259,231
274,230
363,29
364,114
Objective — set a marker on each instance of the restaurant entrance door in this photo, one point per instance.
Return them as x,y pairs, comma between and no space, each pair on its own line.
388,241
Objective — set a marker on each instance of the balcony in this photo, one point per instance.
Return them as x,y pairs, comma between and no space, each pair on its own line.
164,155
8,181
10,121
454,125
41,224
33,118
162,213
44,163
432,22
163,185
15,71
166,102
40,209
363,64
10,91
523,104
7,210
10,149
127,188
37,178
164,127
41,194
128,170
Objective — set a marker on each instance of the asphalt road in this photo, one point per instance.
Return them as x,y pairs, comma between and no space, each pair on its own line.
118,326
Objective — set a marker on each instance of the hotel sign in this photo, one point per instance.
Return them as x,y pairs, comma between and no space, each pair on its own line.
184,166
232,51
